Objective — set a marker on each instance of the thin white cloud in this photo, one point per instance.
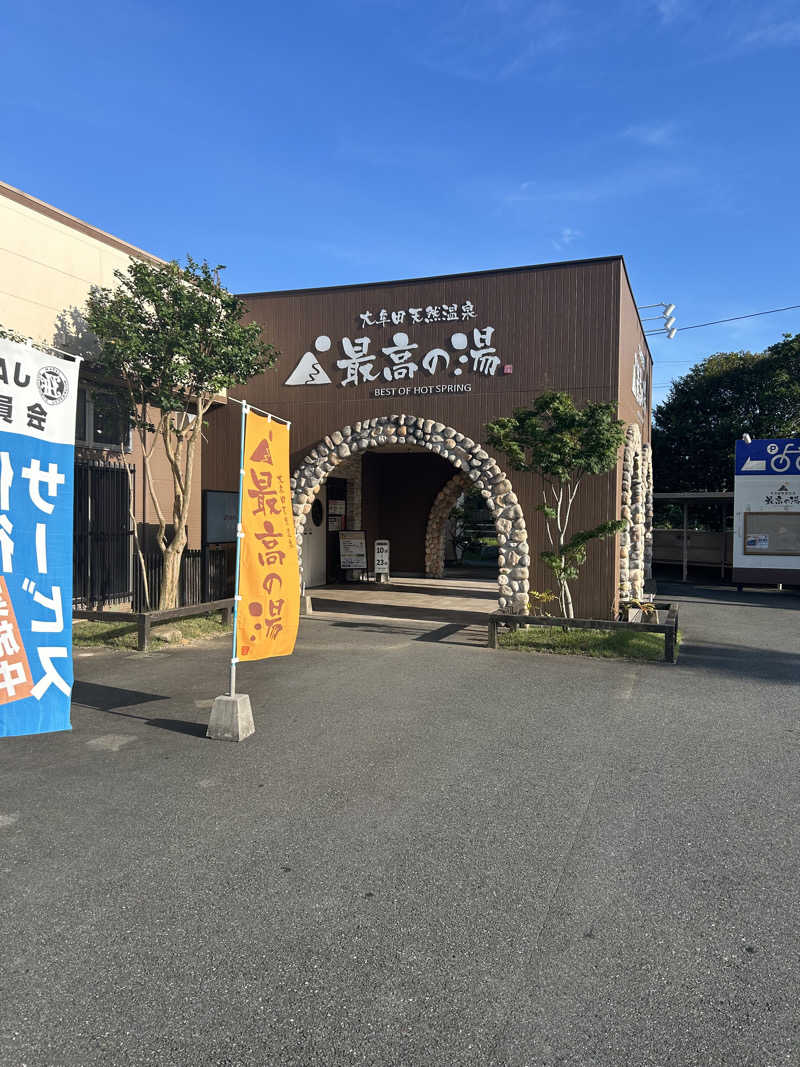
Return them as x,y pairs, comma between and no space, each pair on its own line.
631,181
670,10
773,33
492,40
566,237
653,134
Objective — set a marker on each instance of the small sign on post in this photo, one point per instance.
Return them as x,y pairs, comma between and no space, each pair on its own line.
382,561
352,550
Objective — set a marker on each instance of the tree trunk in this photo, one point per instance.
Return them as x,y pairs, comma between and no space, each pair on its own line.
568,612
168,594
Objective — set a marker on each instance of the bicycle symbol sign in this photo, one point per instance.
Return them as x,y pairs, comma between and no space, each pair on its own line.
780,462
776,456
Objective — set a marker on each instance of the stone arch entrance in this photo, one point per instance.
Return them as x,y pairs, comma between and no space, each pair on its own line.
436,532
472,462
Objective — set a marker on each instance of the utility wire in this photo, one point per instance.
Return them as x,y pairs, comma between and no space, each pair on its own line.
733,318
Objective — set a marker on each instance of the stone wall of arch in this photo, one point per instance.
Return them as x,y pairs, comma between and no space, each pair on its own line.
632,540
436,533
647,470
474,463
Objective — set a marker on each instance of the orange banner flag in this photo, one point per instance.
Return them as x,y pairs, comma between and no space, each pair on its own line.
269,577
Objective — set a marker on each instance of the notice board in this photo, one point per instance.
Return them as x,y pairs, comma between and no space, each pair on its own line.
352,550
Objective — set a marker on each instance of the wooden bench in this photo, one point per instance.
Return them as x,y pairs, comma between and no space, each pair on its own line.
669,628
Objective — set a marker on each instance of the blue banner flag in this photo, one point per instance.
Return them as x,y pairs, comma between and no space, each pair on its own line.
38,394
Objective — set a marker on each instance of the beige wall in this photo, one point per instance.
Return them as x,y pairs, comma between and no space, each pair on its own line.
48,263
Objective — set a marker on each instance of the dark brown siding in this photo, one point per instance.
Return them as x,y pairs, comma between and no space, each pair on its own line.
557,326
631,338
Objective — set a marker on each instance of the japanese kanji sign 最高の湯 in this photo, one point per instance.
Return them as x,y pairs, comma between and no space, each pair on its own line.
269,577
37,457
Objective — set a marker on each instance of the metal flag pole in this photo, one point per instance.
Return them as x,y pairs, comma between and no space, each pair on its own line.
239,536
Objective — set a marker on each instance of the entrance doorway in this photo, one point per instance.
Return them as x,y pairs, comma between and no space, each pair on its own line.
398,492
338,519
314,538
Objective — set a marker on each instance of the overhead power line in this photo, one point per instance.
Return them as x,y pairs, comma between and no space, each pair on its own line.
734,318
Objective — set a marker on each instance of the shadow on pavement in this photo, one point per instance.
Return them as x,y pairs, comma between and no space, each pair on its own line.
767,664
433,636
109,697
179,726
442,632
422,588
726,594
323,606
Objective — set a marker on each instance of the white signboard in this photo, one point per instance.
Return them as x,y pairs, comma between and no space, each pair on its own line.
352,550
403,362
767,506
381,557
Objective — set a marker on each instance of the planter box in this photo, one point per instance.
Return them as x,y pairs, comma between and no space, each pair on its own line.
665,622
637,615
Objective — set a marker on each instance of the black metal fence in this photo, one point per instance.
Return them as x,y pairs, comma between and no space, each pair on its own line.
105,569
203,577
101,557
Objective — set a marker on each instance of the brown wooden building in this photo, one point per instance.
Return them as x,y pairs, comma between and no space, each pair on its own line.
389,387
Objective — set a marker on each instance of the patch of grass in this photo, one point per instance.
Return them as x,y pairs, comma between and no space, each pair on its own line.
122,634
609,644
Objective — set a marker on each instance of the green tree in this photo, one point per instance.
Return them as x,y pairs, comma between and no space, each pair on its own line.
563,444
707,411
172,338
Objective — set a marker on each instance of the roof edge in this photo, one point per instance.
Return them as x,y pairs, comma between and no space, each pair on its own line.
439,277
10,192
626,276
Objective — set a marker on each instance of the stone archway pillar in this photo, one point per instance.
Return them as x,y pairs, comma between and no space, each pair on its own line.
436,534
632,539
647,465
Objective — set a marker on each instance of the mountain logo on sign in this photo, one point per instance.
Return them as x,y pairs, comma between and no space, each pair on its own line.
262,452
754,464
309,371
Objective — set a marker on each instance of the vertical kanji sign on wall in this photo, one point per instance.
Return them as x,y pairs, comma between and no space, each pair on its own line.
38,393
269,576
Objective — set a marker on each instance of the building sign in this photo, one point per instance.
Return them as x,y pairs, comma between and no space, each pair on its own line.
767,507
352,550
639,384
431,313
269,575
37,460
407,365
382,557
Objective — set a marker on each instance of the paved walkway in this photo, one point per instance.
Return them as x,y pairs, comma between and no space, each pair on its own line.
468,600
428,853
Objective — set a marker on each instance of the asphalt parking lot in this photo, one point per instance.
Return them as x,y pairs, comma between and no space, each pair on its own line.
428,853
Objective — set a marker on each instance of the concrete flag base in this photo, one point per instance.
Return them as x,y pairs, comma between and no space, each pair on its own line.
231,718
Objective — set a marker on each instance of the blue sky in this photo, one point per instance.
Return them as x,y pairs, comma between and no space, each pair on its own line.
320,143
